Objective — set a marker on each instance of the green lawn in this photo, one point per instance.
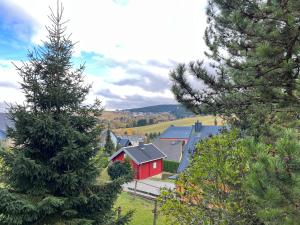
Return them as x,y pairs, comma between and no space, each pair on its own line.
142,207
104,177
165,177
143,210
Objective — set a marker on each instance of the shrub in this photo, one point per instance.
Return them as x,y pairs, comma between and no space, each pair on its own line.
170,166
120,169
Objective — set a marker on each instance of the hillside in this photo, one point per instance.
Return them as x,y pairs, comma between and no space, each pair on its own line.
160,127
122,119
177,110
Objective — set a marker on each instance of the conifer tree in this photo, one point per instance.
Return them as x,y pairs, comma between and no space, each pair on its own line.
253,81
50,172
273,183
109,145
254,63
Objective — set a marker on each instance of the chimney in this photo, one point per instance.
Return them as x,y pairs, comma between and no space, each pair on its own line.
141,144
198,126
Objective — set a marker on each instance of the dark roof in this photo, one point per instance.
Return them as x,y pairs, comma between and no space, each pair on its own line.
133,138
172,149
124,142
205,132
178,132
141,154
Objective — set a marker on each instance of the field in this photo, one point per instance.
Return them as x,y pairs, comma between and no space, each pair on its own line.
160,127
122,119
142,210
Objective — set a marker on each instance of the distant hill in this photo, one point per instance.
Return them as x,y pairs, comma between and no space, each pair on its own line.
177,110
160,127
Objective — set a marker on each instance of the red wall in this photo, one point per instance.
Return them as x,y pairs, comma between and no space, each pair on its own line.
144,170
119,157
135,168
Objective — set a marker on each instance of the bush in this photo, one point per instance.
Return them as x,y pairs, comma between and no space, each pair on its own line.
170,166
120,169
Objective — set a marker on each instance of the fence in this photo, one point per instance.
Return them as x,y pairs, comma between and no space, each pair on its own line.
146,195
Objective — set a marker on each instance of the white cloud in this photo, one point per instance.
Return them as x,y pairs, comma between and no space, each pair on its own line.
143,29
134,30
9,82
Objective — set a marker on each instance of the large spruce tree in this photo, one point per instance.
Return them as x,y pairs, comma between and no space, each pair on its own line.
50,172
254,66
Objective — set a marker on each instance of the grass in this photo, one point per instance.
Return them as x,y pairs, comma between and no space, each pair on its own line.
142,209
160,127
165,177
104,177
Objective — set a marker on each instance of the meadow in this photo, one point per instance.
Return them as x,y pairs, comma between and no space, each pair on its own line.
143,214
160,127
142,208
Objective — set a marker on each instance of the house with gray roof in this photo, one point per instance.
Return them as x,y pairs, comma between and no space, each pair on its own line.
134,139
146,159
124,142
196,136
191,135
177,133
171,148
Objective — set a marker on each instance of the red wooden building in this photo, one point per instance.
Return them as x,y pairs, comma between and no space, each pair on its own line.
146,159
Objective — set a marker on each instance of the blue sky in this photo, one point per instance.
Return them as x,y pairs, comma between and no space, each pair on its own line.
128,46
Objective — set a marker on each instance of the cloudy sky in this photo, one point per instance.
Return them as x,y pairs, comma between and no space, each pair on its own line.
128,46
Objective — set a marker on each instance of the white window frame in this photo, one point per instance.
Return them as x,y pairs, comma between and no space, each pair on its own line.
154,165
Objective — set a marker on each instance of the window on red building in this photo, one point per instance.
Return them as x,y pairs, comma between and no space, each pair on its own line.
154,165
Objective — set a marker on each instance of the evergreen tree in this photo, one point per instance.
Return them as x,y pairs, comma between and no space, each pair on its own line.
120,169
254,71
109,145
50,172
253,81
274,180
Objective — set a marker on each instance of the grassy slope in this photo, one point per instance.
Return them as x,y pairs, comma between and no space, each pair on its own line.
160,127
143,210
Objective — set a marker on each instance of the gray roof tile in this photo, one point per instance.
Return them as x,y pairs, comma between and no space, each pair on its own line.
205,132
172,149
141,154
179,132
124,142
